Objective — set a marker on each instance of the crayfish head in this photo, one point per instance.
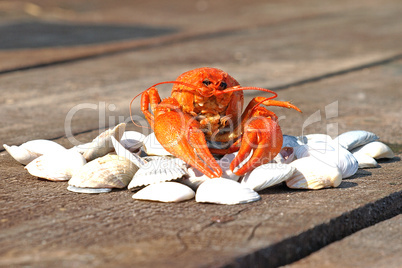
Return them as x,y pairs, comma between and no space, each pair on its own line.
207,80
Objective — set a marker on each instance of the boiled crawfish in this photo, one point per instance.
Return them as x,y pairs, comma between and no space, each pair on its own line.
204,116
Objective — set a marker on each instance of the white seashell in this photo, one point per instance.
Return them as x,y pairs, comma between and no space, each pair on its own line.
352,139
153,147
326,153
224,163
376,150
88,190
267,175
313,174
123,152
159,170
109,171
81,148
132,140
102,144
194,178
224,191
165,192
365,161
290,141
56,166
285,156
318,138
30,150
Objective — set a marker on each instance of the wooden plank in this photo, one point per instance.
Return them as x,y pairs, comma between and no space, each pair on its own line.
285,58
30,36
43,224
376,246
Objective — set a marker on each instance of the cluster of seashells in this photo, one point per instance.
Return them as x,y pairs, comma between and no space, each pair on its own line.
119,159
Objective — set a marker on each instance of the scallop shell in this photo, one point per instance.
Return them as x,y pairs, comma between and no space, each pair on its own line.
30,150
56,166
330,155
224,163
132,140
376,150
365,161
88,190
109,171
196,177
81,148
352,139
165,192
318,138
313,174
153,147
285,156
159,170
102,144
123,152
267,175
224,191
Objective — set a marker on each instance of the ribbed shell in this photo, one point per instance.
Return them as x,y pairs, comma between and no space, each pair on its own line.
159,170
132,140
326,152
109,171
56,166
224,191
312,173
31,150
102,144
365,161
352,139
123,152
165,192
376,150
153,147
267,175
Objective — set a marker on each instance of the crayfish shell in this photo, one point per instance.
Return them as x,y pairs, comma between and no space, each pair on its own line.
158,170
56,166
267,175
375,149
352,139
312,173
165,192
224,191
107,172
102,144
31,150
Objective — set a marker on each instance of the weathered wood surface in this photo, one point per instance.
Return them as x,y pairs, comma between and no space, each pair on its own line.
365,249
65,30
337,60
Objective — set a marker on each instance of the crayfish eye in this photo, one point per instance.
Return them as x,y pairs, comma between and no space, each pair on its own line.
223,85
206,82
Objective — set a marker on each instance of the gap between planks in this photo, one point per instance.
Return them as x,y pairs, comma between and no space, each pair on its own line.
300,246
